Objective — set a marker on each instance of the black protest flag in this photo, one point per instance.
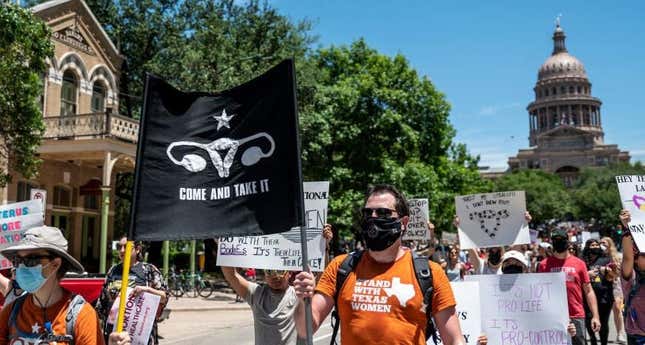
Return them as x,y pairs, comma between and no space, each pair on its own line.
225,164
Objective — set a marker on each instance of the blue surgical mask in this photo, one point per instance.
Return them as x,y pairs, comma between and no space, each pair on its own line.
30,279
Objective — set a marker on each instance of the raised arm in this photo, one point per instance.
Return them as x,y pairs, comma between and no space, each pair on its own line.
628,246
236,281
321,304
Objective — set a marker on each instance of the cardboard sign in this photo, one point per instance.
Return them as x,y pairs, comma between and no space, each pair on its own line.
632,196
468,311
524,308
282,251
15,219
492,220
140,313
418,225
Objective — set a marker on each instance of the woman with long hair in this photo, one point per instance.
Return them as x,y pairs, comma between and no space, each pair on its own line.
612,252
455,270
602,272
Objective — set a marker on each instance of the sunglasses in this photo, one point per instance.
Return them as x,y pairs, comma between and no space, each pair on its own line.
31,260
275,272
381,212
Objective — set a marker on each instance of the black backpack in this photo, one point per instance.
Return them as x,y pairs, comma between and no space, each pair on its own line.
424,279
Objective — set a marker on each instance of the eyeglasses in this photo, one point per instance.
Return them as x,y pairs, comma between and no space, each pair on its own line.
381,212
275,272
30,261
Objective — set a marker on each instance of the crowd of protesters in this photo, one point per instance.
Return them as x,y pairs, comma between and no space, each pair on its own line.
603,275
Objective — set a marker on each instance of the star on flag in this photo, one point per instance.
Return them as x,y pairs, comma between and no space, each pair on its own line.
223,120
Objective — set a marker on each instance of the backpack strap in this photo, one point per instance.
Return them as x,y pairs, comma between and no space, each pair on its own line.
423,274
346,267
73,311
15,310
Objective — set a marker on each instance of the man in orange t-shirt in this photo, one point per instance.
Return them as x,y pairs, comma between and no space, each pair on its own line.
381,302
41,260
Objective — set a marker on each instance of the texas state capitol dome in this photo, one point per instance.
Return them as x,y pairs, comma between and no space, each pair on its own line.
565,127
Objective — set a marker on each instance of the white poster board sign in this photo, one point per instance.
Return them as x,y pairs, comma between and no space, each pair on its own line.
468,311
41,195
522,307
584,236
492,220
632,196
418,224
139,317
15,219
282,251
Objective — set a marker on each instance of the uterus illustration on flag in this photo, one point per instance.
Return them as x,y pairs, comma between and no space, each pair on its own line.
223,164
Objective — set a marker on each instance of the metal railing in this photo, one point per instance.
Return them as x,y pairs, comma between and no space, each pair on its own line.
94,125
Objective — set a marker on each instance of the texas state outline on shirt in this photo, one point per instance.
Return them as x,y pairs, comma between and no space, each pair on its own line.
368,296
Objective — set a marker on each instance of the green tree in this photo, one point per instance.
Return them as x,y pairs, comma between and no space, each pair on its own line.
596,192
373,119
546,196
24,48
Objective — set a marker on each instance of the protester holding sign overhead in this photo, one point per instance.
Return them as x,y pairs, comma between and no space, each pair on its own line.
578,284
273,304
633,282
381,301
47,313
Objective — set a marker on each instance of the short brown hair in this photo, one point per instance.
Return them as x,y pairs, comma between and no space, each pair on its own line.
400,204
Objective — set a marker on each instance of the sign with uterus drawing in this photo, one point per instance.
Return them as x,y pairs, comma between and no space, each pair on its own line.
492,220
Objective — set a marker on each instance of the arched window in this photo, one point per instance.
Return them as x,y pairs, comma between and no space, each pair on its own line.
98,97
571,89
553,91
579,89
68,94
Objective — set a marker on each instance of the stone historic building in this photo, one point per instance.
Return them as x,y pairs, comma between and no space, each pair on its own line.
85,142
565,126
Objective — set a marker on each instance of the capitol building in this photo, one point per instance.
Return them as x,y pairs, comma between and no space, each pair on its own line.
565,120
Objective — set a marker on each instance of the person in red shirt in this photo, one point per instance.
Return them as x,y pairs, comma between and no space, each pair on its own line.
578,284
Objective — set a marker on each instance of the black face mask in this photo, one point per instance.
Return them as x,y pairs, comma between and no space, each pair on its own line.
596,251
494,257
380,233
560,245
512,269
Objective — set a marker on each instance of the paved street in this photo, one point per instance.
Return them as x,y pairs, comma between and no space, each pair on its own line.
216,320
220,320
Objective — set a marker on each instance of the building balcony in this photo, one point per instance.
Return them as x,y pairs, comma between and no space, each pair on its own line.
91,126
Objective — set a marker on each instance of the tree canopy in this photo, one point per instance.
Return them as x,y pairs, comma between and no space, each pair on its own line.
24,48
373,119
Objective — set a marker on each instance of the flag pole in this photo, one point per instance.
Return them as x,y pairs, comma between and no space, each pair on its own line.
124,286
303,224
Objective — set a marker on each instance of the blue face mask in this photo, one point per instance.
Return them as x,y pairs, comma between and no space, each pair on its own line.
30,279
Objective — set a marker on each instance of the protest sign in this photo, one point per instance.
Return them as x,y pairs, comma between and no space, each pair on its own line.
492,220
448,237
524,308
468,311
534,236
584,236
282,251
15,219
40,195
418,225
632,195
140,313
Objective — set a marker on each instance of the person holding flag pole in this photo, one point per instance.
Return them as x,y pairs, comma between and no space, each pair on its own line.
217,165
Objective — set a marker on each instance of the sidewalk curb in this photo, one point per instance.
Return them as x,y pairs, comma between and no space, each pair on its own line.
211,308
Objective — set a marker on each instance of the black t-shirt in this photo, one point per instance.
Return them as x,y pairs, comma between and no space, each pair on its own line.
603,288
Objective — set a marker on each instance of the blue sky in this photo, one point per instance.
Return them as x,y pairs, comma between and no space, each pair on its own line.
484,55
